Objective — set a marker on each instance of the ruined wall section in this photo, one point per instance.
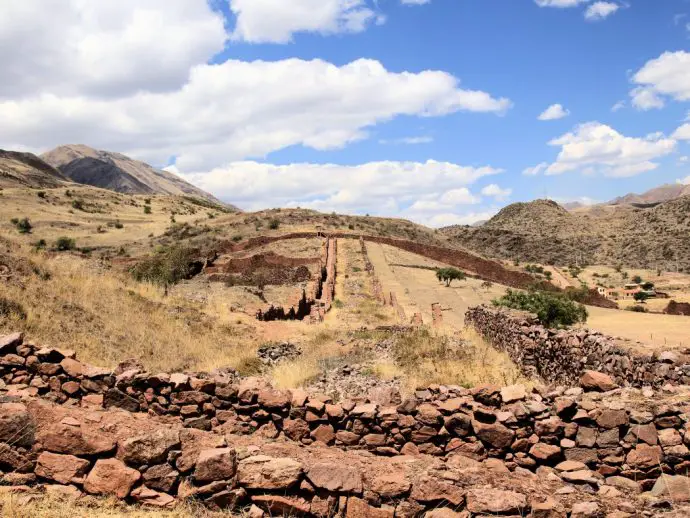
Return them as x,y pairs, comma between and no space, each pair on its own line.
602,436
561,356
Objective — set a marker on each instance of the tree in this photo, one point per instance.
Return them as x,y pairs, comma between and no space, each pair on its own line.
637,279
449,275
552,309
641,296
648,286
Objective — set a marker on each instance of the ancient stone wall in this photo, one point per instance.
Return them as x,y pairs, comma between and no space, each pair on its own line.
590,436
561,356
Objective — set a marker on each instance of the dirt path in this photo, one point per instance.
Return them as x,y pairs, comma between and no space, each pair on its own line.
417,288
558,278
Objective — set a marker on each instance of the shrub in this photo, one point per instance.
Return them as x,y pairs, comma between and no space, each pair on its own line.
78,204
351,226
637,279
637,309
118,224
236,238
65,243
648,286
11,309
449,275
147,209
552,310
41,194
274,224
40,244
147,201
23,225
68,193
168,266
641,296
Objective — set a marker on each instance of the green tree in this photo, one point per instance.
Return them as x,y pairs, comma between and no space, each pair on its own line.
552,309
641,296
637,279
449,275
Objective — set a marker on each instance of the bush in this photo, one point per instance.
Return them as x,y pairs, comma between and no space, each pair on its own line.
168,266
237,238
147,201
78,204
41,194
274,224
147,209
11,309
23,225
648,286
65,243
449,275
641,296
637,309
553,310
637,279
40,244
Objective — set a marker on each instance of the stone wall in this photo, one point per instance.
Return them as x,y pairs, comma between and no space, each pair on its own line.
600,436
561,356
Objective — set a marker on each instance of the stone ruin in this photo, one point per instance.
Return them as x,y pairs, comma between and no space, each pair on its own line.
444,451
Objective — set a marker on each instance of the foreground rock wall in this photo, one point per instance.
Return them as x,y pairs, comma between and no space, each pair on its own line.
561,356
599,436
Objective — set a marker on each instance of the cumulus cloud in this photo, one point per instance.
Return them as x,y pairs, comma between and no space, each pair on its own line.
684,181
237,109
106,48
276,21
553,112
604,150
536,170
682,133
600,10
560,3
432,193
494,191
667,76
422,139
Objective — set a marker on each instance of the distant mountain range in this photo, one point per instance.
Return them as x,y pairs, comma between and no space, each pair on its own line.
649,235
657,195
84,165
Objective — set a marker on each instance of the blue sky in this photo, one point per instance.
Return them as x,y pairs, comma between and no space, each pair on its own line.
426,111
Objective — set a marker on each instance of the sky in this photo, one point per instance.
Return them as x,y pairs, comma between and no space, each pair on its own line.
438,111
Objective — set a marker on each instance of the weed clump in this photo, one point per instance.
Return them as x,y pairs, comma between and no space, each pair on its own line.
168,266
552,310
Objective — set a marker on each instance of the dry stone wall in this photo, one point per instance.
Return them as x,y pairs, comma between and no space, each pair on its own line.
586,437
561,356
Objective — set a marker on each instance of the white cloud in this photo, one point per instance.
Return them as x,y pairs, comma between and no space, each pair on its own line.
422,139
600,10
684,181
607,151
237,109
276,21
665,76
682,133
494,191
684,159
106,48
560,3
536,170
416,190
448,219
415,2
618,106
553,112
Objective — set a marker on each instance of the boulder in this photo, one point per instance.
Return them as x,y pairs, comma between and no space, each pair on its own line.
585,510
435,490
118,399
644,456
496,435
675,488
16,425
598,381
263,472
9,343
193,442
335,477
63,469
111,477
75,440
496,501
215,464
277,505
146,496
151,448
545,452
358,508
513,393
161,477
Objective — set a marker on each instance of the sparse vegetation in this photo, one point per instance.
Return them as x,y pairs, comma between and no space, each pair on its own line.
78,204
11,310
64,243
553,310
147,209
41,194
274,224
168,266
448,275
23,225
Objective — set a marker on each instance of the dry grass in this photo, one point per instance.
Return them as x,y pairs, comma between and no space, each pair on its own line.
43,506
423,358
304,369
106,317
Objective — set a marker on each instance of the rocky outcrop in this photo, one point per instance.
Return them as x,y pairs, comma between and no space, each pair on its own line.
561,356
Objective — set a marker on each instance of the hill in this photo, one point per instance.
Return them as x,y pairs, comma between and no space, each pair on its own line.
657,195
27,170
117,172
652,236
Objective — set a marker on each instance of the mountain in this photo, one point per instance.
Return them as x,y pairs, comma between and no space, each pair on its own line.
657,195
649,236
27,170
119,173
